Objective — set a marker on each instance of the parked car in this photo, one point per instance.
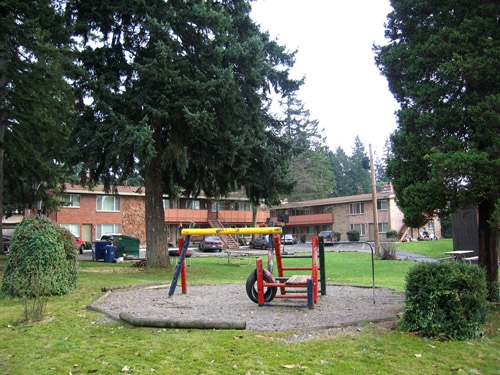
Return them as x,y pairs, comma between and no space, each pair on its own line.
80,244
211,243
260,242
328,237
288,239
110,236
177,253
6,243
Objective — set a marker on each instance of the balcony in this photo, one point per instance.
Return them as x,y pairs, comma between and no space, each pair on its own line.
176,216
318,219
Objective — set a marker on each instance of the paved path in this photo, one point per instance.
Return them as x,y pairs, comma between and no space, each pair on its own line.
297,248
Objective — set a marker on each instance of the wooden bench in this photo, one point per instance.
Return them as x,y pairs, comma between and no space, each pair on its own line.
297,280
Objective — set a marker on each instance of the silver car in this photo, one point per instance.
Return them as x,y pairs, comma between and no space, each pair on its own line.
211,243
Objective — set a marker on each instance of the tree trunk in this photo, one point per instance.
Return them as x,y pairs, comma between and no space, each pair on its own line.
488,246
156,233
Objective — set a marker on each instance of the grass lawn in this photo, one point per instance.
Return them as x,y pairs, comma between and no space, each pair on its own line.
74,340
432,249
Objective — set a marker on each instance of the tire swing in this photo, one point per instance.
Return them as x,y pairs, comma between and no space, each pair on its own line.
269,292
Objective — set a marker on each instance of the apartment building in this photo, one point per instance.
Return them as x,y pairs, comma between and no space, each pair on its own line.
344,214
89,214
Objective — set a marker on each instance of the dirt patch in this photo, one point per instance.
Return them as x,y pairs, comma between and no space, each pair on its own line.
342,306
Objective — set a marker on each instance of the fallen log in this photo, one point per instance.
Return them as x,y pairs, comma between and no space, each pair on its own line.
189,324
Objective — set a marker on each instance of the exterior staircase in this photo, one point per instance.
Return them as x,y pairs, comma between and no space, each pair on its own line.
229,241
403,232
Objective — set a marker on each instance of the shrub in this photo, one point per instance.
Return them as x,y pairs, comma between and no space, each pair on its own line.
388,251
42,261
337,235
303,238
445,300
391,234
353,235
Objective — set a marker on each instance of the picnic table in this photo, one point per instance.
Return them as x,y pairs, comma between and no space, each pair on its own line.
460,255
237,256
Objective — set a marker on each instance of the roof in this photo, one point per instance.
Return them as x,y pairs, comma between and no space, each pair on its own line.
389,194
140,191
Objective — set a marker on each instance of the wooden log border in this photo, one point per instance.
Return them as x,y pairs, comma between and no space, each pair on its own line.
184,324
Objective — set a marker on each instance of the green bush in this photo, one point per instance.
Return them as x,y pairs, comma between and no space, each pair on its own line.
353,235
337,235
445,300
391,234
43,260
303,238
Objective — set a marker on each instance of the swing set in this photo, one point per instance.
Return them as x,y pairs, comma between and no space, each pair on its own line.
262,286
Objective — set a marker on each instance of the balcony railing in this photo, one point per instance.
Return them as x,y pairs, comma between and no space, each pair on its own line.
226,217
318,219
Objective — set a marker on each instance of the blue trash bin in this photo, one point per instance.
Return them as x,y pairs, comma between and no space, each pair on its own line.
99,250
110,254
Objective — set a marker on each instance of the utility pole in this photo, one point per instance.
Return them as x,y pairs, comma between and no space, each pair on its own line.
369,164
374,202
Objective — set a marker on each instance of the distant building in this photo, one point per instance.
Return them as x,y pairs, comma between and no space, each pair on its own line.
344,214
89,214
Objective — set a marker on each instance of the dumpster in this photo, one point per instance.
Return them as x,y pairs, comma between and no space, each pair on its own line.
126,245
110,254
99,250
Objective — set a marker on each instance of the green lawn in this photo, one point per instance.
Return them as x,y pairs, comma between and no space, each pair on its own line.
432,249
74,340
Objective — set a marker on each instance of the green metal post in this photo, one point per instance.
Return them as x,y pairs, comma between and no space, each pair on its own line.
322,270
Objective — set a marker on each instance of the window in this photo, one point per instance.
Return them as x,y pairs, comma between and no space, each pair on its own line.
106,228
310,230
108,203
360,228
218,206
382,205
192,205
356,208
168,204
71,200
245,206
383,227
430,225
73,228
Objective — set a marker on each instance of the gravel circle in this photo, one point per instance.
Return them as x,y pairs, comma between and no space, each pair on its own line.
342,306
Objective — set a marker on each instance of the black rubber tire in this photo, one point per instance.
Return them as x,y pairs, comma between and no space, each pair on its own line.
251,288
264,247
81,249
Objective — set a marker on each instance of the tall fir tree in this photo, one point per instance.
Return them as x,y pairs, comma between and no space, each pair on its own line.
178,90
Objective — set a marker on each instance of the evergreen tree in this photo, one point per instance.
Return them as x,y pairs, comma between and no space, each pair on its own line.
309,166
442,66
178,91
36,102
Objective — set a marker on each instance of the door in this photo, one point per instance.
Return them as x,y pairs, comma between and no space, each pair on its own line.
87,232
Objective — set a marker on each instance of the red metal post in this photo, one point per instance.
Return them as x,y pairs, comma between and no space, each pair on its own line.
260,282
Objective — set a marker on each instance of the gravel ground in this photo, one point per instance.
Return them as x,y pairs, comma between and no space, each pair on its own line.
343,306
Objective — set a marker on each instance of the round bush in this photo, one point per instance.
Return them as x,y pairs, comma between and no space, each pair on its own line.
445,300
43,260
353,235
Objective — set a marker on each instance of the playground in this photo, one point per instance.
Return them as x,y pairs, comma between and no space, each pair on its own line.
252,306
228,303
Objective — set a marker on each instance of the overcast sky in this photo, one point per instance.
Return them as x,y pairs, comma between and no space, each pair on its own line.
344,90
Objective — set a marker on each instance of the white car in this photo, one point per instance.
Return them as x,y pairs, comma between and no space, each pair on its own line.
288,239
